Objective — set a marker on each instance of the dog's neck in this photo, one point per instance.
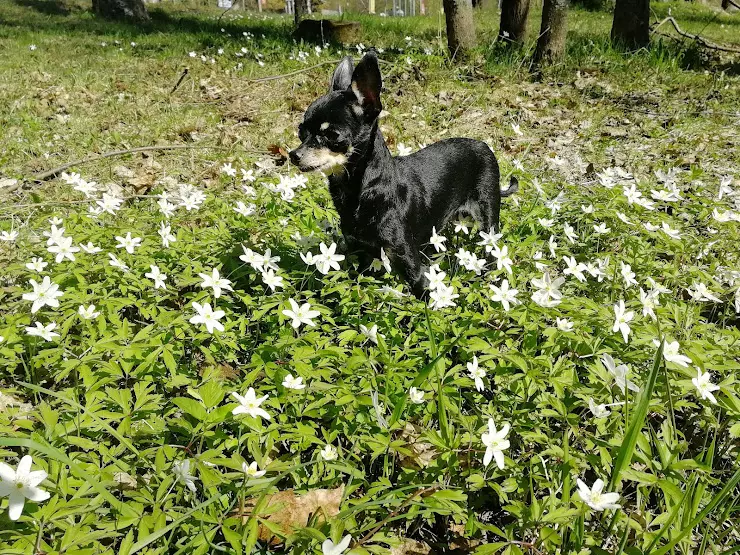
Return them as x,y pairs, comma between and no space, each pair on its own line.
370,157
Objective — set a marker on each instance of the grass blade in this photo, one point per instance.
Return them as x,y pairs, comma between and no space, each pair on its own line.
141,544
441,412
672,517
624,456
713,503
418,380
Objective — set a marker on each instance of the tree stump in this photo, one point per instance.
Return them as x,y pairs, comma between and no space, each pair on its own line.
121,10
324,30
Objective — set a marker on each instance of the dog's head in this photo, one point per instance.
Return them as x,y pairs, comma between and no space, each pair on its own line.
341,119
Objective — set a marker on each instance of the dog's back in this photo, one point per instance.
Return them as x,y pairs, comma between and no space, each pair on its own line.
456,175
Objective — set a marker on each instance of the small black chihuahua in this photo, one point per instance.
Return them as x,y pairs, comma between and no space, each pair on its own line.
390,202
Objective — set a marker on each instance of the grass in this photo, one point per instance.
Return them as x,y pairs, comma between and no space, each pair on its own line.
112,405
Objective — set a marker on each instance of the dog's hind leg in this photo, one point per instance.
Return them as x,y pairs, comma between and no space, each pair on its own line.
488,210
409,263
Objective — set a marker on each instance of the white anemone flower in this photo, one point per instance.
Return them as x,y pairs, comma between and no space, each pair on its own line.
215,282
704,385
620,374
595,498
330,548
250,404
207,316
495,442
181,470
43,294
622,318
21,484
301,314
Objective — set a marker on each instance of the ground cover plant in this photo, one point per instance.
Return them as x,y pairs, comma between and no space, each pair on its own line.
188,363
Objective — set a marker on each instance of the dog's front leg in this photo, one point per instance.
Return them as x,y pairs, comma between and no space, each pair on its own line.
364,256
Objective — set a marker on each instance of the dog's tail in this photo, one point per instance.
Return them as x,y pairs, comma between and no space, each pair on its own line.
513,187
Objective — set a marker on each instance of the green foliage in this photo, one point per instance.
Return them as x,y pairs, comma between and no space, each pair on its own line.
112,406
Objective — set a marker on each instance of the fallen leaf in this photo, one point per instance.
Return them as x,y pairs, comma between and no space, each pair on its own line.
286,510
421,453
125,481
279,152
411,547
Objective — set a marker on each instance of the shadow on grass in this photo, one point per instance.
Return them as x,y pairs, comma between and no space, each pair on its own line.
64,20
48,7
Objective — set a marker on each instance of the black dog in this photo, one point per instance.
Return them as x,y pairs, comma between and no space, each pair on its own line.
390,202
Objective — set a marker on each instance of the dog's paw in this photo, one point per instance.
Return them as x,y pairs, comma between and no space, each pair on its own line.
420,288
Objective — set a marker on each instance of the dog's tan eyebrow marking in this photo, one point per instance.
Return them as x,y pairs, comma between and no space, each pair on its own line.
324,125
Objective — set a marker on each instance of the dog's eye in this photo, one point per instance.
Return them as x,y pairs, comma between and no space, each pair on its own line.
331,135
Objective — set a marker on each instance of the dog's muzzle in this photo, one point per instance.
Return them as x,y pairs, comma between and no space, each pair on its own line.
295,157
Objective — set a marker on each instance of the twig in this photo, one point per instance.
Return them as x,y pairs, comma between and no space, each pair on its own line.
64,202
179,81
305,69
218,22
53,172
731,3
420,492
698,39
296,72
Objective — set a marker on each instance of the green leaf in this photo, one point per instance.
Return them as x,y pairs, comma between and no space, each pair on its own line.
191,407
234,538
126,543
212,394
252,534
82,474
490,548
169,360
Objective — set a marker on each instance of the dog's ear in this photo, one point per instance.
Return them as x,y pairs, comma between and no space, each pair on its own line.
366,84
342,78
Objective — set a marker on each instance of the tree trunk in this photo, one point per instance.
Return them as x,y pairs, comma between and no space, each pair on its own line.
301,8
551,44
631,26
514,20
460,26
121,9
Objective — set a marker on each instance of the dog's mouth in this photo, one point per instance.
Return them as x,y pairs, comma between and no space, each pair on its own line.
322,159
307,169
326,168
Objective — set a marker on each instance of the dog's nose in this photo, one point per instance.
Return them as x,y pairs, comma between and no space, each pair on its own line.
294,157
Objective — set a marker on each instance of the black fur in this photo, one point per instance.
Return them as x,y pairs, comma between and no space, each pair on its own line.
390,202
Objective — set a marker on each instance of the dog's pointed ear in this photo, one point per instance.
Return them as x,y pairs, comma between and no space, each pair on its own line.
366,84
342,78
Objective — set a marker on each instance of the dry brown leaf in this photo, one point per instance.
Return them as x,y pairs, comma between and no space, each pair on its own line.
209,91
7,400
143,182
288,510
422,453
279,152
125,481
411,547
123,172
